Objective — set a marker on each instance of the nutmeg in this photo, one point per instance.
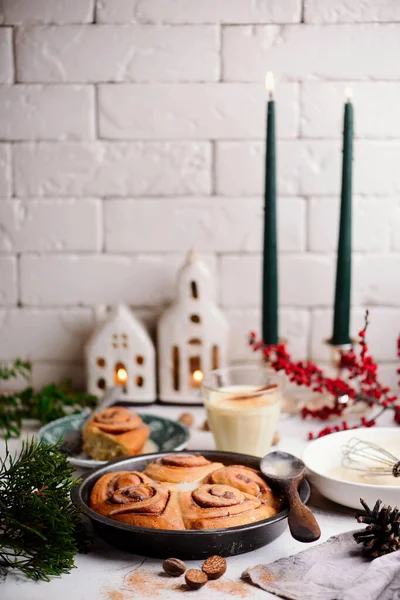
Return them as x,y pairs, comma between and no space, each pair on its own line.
214,567
174,567
195,578
205,426
276,439
186,419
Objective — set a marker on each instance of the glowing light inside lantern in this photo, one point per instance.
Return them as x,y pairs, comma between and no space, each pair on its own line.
197,376
122,375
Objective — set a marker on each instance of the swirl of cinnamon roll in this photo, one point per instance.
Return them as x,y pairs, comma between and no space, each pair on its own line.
246,480
116,419
219,506
143,505
179,468
108,484
114,432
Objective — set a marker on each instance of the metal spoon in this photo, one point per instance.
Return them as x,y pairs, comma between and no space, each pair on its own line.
287,472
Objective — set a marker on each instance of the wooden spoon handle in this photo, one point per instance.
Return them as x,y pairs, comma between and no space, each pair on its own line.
302,523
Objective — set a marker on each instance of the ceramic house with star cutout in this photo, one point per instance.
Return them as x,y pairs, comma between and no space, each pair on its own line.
121,353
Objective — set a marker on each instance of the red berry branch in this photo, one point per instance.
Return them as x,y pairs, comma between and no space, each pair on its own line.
356,381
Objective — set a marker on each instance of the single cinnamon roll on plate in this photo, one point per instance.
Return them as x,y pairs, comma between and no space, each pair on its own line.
246,480
221,506
181,468
114,433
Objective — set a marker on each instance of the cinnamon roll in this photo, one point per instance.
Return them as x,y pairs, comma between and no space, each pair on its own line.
147,504
220,506
105,487
246,480
114,432
180,468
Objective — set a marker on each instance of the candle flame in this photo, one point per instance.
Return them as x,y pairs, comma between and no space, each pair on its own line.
197,376
270,83
122,375
348,92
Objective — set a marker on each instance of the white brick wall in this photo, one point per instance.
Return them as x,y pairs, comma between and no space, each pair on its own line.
51,112
101,53
178,111
132,130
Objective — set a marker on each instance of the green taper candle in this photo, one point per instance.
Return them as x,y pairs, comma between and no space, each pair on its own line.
270,258
341,318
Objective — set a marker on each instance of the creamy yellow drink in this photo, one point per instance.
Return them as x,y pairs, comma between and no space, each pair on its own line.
243,417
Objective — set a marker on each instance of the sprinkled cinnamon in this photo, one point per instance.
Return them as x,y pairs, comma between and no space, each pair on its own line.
238,589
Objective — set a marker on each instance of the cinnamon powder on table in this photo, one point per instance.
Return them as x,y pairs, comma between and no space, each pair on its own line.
141,583
238,589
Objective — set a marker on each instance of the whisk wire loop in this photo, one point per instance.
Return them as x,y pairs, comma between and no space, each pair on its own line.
367,457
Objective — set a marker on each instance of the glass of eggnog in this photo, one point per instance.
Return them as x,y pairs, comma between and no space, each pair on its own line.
243,405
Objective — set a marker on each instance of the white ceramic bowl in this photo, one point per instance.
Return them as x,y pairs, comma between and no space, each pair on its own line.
325,454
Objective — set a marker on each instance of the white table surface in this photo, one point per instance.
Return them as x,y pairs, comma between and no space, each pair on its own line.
104,574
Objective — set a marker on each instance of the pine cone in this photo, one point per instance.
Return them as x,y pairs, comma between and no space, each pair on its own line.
382,534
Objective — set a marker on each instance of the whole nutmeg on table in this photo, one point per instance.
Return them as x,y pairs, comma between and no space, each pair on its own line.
205,426
214,567
186,419
174,567
195,578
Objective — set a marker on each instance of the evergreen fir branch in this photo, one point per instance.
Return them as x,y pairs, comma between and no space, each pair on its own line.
50,403
40,530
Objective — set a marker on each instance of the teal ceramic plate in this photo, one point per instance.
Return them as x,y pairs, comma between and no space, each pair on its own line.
165,435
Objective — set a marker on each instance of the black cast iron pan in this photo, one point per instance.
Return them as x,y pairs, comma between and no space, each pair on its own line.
188,545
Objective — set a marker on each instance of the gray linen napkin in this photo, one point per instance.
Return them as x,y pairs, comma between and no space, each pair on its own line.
334,570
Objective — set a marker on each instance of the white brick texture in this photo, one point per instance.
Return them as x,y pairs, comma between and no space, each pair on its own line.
217,224
44,334
32,12
294,326
169,168
50,225
382,331
348,11
98,279
58,372
376,280
234,111
305,280
376,221
134,130
321,99
5,170
6,59
8,281
310,167
53,112
211,11
311,52
133,53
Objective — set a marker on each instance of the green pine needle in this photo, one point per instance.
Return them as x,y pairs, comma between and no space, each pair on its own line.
40,529
50,403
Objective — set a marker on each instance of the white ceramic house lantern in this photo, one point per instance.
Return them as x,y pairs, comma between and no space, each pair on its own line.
121,353
192,335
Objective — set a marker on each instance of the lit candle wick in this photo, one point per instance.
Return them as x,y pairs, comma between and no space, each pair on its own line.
270,83
197,376
348,92
122,375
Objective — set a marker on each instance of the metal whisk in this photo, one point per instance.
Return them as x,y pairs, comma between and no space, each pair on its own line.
369,458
